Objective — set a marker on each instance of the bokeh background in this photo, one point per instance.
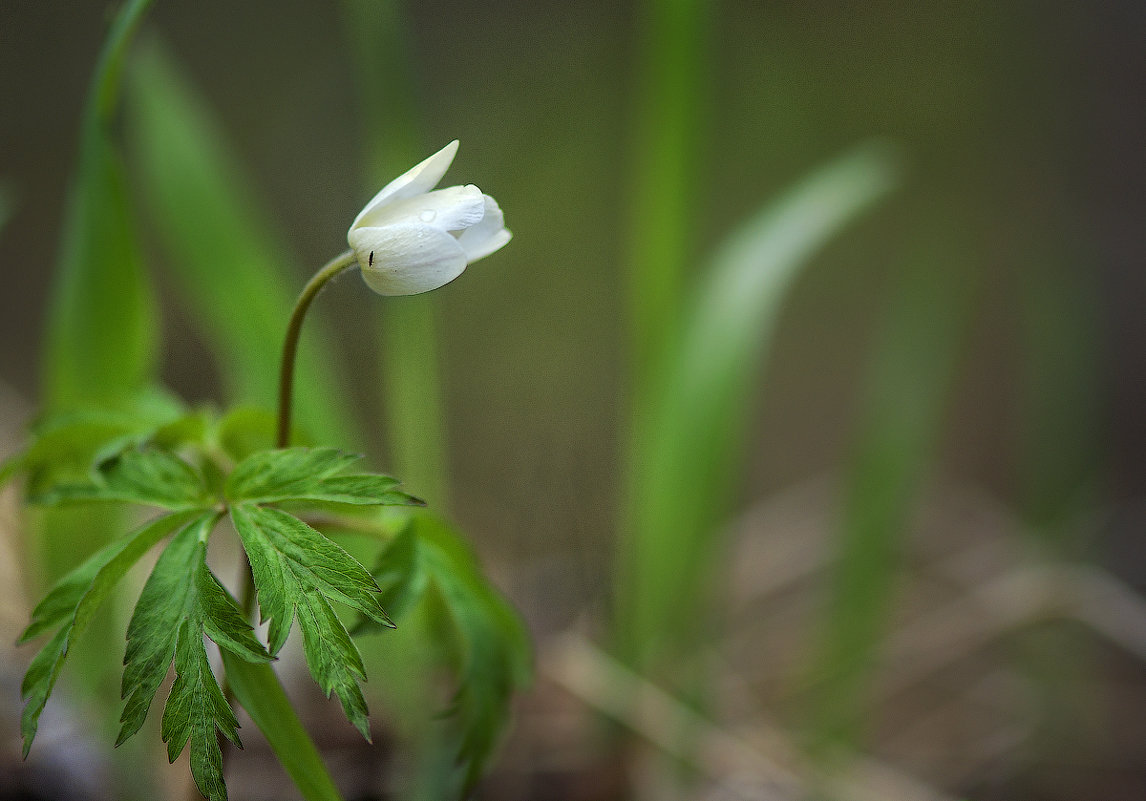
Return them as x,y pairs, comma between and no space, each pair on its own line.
1020,127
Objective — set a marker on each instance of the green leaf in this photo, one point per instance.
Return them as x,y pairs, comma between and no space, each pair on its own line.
70,606
495,656
489,643
310,474
232,267
258,689
187,429
66,449
690,437
65,445
400,573
195,708
285,473
100,343
297,571
247,429
181,602
151,477
359,489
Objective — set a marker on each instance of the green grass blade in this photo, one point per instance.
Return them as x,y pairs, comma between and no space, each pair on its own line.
671,81
380,43
408,327
412,390
259,691
688,448
230,267
101,337
908,386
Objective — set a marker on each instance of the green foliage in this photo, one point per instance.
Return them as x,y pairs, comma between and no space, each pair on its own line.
908,388
149,477
69,607
688,440
310,475
64,445
483,638
181,602
298,573
111,438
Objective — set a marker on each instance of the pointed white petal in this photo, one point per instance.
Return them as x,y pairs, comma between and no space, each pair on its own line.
450,209
407,258
415,181
487,235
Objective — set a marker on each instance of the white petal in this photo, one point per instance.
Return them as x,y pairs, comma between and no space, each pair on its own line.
450,209
486,236
407,258
415,181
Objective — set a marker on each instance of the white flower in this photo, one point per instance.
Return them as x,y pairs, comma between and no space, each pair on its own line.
409,239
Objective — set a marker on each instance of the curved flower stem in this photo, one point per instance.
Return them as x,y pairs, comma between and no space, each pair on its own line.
286,393
286,376
294,329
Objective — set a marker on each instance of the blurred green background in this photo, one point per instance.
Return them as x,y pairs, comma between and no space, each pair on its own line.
1021,126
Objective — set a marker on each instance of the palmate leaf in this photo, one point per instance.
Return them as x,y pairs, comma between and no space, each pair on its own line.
297,572
70,606
284,473
491,645
150,476
182,601
311,474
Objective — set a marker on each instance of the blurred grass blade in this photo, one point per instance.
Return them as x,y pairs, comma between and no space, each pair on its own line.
380,39
101,337
412,393
378,31
230,267
687,451
1059,473
7,203
1060,393
671,78
259,691
907,388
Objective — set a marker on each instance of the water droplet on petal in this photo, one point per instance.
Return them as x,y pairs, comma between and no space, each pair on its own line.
428,215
